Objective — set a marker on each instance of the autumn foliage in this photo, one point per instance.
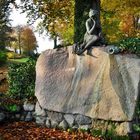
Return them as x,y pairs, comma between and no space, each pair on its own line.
29,131
23,39
56,17
120,19
28,39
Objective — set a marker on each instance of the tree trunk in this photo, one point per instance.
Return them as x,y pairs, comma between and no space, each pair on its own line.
136,22
15,50
19,42
55,42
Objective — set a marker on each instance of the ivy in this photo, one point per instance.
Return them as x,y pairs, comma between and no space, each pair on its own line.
11,108
136,126
3,57
130,44
21,79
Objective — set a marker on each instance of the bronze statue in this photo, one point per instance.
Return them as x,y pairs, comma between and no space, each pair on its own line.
92,35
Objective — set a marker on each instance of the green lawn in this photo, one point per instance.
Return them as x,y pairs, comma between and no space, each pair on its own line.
21,60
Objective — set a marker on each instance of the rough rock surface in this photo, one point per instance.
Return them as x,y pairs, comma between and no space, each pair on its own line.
101,86
39,111
81,120
48,123
28,117
28,106
2,116
63,125
55,116
40,120
70,119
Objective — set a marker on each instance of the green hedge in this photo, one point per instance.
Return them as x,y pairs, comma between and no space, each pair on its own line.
136,126
21,78
131,45
3,57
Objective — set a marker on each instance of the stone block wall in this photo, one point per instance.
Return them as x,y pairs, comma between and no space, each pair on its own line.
23,113
52,119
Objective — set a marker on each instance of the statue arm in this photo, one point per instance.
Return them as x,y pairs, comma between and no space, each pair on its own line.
90,30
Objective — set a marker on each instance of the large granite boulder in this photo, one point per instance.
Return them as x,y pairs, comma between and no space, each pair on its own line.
101,86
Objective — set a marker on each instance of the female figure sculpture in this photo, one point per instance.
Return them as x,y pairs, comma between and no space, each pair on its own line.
92,35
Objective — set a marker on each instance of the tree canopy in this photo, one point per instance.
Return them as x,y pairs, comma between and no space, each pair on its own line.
57,17
66,18
24,39
29,42
120,19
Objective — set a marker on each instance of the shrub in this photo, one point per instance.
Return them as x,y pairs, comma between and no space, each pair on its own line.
3,57
10,55
130,44
21,78
136,126
13,55
11,108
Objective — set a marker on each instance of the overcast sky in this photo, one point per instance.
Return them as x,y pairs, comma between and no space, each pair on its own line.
20,19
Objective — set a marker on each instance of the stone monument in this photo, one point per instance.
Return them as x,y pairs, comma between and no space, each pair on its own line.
80,91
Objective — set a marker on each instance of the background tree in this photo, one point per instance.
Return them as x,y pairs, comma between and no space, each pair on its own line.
19,31
63,18
120,19
24,40
29,43
57,17
16,41
66,18
5,28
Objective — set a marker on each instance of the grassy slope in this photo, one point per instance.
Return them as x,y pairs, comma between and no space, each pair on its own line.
21,60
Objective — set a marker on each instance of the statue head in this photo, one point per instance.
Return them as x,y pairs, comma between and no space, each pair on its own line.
92,13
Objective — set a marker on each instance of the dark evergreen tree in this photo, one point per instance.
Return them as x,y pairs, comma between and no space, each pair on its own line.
5,28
